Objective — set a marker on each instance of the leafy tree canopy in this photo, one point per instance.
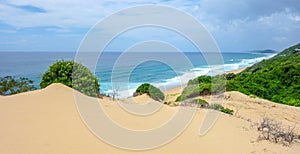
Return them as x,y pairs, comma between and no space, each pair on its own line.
72,74
10,85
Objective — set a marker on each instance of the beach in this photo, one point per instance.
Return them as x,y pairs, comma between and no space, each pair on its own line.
153,77
47,121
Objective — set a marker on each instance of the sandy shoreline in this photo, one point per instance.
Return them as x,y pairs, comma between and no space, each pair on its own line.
173,93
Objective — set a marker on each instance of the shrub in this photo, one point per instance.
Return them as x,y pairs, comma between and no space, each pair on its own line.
226,110
273,131
203,79
9,85
219,107
204,85
202,103
150,90
72,74
178,99
199,103
142,89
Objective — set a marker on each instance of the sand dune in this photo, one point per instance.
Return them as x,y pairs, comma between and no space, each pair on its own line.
47,121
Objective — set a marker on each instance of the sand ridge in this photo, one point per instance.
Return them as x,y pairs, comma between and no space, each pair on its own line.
47,121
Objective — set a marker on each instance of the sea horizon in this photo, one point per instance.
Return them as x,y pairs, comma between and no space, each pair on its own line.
33,64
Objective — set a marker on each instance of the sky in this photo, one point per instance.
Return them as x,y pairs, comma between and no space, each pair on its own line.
61,25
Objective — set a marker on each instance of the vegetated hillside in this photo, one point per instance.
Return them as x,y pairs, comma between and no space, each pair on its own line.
276,79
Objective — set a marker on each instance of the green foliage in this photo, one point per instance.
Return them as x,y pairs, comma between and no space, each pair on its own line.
150,90
178,99
200,80
204,85
73,75
230,76
219,107
142,89
216,107
226,110
202,103
9,85
276,79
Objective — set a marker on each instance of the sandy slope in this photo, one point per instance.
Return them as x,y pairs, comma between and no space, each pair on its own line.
47,121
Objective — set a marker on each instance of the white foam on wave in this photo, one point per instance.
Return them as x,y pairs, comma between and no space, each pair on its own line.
182,79
249,62
191,74
167,84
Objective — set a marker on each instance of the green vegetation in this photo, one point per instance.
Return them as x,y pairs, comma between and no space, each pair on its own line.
73,75
219,107
226,110
150,90
276,79
203,85
9,85
216,107
202,103
178,99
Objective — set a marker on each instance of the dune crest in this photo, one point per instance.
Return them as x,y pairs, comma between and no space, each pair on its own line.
47,121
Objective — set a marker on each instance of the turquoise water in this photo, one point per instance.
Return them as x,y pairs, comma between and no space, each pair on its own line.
33,64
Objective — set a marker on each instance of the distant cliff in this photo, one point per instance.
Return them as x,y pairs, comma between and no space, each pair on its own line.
264,51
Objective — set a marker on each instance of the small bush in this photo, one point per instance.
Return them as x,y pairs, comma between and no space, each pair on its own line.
219,107
216,107
150,90
202,103
204,85
199,103
72,74
273,131
10,85
226,110
178,99
142,89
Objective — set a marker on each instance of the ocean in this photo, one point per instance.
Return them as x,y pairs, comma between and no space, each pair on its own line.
160,73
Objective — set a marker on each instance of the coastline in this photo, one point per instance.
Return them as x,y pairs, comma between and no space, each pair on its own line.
174,92
237,71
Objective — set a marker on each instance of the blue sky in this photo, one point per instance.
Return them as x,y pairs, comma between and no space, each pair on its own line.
236,25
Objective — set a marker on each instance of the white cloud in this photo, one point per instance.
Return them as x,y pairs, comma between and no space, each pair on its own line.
295,18
74,13
230,21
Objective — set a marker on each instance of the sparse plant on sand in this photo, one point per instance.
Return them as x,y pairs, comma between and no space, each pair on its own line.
273,131
219,107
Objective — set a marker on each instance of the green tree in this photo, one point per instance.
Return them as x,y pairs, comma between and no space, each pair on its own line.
72,74
9,85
